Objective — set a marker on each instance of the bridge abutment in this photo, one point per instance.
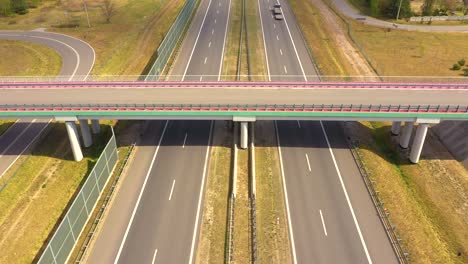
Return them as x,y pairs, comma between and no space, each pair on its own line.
95,126
74,140
396,127
418,142
86,133
406,135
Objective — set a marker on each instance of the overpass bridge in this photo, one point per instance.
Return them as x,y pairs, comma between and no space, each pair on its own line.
423,103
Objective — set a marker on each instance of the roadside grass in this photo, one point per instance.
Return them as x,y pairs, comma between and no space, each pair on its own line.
212,244
427,201
320,39
411,53
231,53
124,46
272,225
5,124
29,59
254,41
39,190
242,239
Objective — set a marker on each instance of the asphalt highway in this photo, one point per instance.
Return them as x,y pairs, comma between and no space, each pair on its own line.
330,215
155,216
77,61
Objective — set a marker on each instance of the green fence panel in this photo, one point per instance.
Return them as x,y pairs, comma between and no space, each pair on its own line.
61,245
170,41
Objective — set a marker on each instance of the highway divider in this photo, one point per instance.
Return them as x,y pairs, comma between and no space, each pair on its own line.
170,41
68,232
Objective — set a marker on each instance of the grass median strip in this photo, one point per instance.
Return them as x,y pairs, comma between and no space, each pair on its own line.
38,192
212,243
232,52
272,226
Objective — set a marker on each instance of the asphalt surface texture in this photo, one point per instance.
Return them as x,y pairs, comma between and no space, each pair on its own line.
234,95
77,61
155,215
347,9
331,216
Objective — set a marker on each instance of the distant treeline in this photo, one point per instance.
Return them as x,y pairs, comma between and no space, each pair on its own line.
389,8
9,7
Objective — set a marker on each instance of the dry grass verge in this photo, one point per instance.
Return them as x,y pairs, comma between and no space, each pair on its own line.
242,225
29,59
427,202
272,226
212,242
34,199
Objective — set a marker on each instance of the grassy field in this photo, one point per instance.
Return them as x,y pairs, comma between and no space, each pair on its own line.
231,52
427,201
29,59
212,242
242,244
5,124
39,189
272,227
320,38
124,46
399,52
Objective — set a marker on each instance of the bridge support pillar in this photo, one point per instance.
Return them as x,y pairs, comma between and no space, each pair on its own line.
418,142
74,141
95,127
244,135
86,133
406,136
396,127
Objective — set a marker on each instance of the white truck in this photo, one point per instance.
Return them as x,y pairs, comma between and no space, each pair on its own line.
277,12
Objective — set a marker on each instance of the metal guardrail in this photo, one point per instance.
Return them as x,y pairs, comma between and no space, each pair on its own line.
98,218
383,214
350,108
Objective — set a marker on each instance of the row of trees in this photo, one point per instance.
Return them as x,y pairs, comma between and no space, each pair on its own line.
389,8
8,7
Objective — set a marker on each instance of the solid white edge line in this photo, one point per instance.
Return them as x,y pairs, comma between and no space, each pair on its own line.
224,42
308,163
195,231
264,43
346,195
294,46
196,41
140,195
285,190
154,256
323,223
172,190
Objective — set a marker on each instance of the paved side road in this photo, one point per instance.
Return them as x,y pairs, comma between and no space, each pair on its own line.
77,61
347,9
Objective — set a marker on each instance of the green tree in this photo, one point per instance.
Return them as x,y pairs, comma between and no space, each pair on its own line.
427,7
19,6
5,7
392,9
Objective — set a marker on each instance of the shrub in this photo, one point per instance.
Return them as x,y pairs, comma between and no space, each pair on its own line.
461,62
465,72
456,67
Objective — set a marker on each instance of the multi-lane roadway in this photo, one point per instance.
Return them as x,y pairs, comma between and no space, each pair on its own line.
155,216
324,225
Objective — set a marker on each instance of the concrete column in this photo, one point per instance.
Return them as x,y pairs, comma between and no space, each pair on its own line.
396,127
86,133
74,141
406,135
95,126
418,142
244,135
